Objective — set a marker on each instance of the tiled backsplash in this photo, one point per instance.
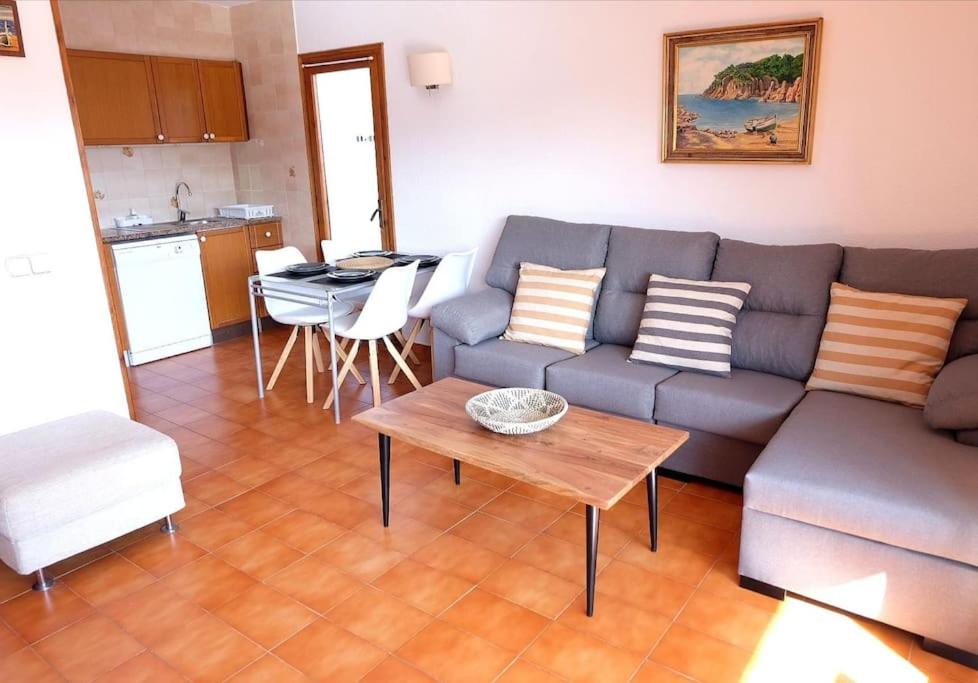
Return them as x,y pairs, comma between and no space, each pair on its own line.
142,178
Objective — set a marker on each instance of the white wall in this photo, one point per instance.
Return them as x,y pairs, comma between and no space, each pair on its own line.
556,108
57,353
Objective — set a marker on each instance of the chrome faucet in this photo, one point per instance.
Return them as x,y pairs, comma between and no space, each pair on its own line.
181,214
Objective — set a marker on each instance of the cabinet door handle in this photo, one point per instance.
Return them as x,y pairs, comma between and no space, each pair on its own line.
203,238
268,233
205,136
212,136
161,137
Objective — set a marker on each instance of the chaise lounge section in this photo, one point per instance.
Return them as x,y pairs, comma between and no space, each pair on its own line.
865,505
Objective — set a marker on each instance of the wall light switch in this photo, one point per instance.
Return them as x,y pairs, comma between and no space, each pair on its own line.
41,264
18,266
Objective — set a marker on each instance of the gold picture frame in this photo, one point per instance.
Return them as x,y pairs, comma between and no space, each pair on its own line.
742,94
11,38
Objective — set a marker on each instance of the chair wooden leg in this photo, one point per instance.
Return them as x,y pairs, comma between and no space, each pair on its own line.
399,336
317,352
341,354
402,364
281,359
407,348
307,331
375,371
343,372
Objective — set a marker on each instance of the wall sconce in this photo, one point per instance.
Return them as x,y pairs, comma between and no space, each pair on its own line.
430,69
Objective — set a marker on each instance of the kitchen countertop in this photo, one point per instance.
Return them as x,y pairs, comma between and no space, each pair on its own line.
190,227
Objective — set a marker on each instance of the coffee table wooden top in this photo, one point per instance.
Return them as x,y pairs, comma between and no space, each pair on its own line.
593,457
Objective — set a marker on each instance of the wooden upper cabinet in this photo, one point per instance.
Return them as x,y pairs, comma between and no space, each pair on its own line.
224,105
126,99
181,108
115,96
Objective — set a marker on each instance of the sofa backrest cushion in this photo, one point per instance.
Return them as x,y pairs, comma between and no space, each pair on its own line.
943,273
634,254
779,327
568,246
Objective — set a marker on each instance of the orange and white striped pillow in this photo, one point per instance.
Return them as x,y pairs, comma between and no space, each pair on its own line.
886,346
553,307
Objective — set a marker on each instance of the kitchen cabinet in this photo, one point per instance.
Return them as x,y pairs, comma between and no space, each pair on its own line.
116,98
181,109
226,258
223,95
128,99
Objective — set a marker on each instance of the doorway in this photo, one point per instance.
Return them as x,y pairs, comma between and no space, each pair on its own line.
345,107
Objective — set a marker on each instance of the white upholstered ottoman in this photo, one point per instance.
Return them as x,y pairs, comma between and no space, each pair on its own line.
70,485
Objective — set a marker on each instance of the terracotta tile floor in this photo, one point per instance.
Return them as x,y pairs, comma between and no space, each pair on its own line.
282,570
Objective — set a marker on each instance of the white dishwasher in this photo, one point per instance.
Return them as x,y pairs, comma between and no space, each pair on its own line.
162,290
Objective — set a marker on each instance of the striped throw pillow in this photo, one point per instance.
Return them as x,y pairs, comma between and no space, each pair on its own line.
553,307
886,346
689,324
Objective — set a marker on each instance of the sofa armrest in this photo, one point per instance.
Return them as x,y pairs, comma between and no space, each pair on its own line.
474,317
953,399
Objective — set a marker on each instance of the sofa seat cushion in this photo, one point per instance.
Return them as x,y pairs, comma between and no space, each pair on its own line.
871,469
58,472
603,379
505,363
748,405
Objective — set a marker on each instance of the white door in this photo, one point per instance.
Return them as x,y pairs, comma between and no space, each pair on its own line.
344,107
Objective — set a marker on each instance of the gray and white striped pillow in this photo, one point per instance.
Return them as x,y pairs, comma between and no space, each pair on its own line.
689,324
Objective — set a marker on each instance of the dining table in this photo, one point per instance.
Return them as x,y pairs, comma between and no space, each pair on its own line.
317,290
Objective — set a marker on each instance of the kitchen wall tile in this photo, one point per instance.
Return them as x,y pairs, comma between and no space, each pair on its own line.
146,180
162,27
264,43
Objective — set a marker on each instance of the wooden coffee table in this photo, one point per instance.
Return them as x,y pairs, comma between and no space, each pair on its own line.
594,458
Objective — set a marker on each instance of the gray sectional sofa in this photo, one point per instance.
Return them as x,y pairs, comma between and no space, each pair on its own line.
851,501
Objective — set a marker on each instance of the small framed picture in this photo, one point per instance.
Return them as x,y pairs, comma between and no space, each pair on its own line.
11,42
741,94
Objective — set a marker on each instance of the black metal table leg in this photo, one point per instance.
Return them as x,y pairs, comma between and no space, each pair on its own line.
458,472
593,517
384,442
652,490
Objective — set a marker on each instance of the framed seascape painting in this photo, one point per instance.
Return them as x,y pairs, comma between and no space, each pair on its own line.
741,94
10,40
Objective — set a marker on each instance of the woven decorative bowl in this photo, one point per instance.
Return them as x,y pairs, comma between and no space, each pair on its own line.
365,263
516,411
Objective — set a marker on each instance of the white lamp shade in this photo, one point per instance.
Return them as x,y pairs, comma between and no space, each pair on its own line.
430,69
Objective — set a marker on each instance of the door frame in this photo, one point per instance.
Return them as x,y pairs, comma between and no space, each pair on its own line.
104,254
313,63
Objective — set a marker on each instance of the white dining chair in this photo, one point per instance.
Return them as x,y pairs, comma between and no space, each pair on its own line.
309,319
384,312
450,280
332,255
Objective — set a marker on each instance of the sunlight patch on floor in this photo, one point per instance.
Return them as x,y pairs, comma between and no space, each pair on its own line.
805,643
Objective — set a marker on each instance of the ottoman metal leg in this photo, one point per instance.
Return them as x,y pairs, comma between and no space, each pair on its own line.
43,582
169,526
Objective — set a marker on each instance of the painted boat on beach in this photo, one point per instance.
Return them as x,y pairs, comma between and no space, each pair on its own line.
761,124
